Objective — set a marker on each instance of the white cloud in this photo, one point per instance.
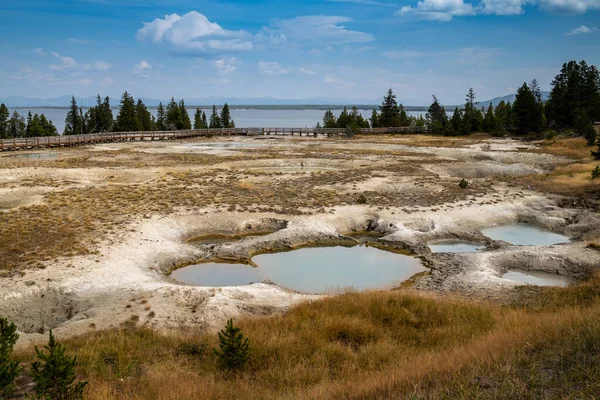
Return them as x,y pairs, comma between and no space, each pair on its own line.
274,68
502,7
97,66
582,30
317,29
439,10
402,54
39,51
142,69
65,63
225,65
193,34
569,6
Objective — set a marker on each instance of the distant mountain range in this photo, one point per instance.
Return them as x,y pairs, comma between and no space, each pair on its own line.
237,102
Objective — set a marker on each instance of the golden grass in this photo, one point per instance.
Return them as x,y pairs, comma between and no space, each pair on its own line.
363,346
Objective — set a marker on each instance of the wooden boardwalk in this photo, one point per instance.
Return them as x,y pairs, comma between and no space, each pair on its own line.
93,138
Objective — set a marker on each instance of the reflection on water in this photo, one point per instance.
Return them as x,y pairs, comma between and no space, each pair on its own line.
455,246
313,270
524,235
537,278
31,155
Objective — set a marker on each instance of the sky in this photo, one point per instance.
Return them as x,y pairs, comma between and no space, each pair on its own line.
338,49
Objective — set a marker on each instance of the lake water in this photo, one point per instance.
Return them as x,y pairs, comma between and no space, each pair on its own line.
455,246
312,270
537,278
524,235
243,118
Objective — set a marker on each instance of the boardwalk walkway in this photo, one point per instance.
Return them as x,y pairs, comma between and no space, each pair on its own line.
76,140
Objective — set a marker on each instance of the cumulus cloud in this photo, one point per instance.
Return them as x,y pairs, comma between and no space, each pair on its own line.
142,69
97,66
446,10
39,51
193,34
225,65
582,30
439,10
65,63
274,68
317,29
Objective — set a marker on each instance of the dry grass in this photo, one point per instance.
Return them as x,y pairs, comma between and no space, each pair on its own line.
367,345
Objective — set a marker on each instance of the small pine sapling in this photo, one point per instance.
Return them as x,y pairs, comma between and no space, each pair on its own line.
596,172
54,373
463,184
9,369
234,348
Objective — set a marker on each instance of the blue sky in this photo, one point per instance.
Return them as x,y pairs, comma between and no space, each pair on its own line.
342,49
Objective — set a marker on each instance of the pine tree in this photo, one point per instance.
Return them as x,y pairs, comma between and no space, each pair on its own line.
107,120
436,118
225,117
215,120
374,119
234,349
390,112
329,120
73,120
173,117
161,118
204,121
127,119
143,116
489,121
456,122
54,373
16,125
343,120
198,119
472,117
184,122
4,114
525,111
9,369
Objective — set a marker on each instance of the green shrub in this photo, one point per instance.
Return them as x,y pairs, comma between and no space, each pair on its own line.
234,350
463,184
596,172
54,374
8,369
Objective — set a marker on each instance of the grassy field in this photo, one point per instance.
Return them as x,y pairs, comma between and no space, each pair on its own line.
397,344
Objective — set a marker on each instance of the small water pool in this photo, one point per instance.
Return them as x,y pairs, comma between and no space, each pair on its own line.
218,274
455,246
537,278
312,270
32,155
524,235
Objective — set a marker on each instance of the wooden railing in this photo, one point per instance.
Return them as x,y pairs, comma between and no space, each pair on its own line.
93,138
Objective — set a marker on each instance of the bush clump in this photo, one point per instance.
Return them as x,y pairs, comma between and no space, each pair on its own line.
463,184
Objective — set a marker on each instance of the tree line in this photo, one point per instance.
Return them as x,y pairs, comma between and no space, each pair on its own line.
134,116
15,125
572,106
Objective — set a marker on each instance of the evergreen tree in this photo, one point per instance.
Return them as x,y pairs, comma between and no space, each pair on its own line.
472,118
106,117
329,120
204,121
215,120
54,373
174,119
16,125
127,119
73,120
161,118
489,121
9,369
583,127
501,116
184,122
4,114
374,119
456,122
198,119
226,121
525,111
143,116
29,124
436,118
343,120
234,349
390,112
47,126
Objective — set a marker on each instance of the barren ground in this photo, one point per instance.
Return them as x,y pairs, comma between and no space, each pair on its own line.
87,238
